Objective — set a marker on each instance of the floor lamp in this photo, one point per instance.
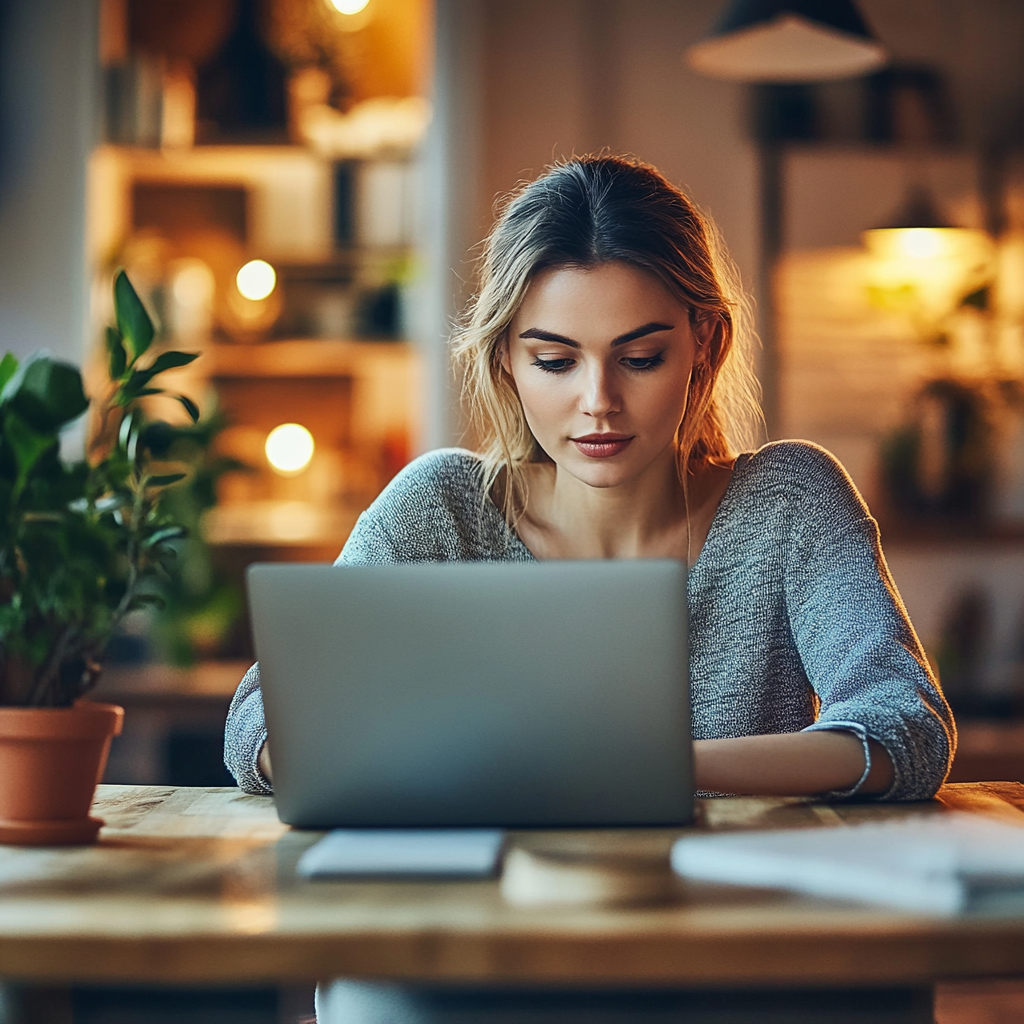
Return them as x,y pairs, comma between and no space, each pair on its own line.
771,41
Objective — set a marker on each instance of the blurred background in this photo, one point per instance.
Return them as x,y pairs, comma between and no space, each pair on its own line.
298,187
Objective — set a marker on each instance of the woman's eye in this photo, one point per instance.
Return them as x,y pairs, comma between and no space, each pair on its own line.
644,362
553,365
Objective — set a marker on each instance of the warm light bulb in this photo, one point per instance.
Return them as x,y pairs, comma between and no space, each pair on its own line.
289,448
921,243
349,6
256,280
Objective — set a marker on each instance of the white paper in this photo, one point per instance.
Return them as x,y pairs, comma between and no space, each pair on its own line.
942,864
404,853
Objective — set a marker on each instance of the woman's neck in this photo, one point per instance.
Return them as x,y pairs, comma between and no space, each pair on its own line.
644,518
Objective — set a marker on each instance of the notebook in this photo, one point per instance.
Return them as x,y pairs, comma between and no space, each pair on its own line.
941,864
403,853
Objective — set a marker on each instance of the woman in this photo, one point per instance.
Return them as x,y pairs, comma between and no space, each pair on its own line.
605,359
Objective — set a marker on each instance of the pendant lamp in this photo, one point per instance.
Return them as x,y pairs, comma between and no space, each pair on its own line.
919,257
797,41
918,231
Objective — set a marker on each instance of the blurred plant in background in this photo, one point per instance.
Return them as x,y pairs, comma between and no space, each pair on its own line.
940,464
959,456
201,604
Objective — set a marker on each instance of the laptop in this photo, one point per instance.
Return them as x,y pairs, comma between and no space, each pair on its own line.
481,694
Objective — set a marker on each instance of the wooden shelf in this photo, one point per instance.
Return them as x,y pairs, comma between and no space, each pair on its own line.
307,357
279,524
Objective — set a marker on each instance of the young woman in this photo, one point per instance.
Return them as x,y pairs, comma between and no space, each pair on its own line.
606,360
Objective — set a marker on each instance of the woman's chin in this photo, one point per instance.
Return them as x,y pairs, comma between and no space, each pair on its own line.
601,473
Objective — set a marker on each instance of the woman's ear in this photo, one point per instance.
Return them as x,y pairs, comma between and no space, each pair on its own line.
706,329
504,359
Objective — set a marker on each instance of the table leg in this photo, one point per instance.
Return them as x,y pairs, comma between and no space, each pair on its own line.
344,1002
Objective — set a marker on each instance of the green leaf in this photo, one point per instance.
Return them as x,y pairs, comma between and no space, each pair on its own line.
171,360
166,480
128,436
7,367
133,386
110,502
124,433
150,391
164,534
133,321
28,445
46,393
118,356
158,436
190,407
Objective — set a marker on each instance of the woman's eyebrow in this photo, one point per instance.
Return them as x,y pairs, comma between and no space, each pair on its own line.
560,339
651,328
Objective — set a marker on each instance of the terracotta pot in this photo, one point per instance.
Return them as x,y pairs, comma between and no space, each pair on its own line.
51,760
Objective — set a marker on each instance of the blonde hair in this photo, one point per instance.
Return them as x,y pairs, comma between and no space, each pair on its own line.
580,213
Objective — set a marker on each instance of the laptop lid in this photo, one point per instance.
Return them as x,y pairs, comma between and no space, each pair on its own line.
476,694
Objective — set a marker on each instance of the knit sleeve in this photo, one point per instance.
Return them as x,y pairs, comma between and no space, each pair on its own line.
855,640
245,733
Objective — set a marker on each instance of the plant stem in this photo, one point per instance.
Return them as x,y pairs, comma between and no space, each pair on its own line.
61,649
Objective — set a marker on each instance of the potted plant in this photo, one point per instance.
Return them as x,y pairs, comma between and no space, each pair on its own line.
81,544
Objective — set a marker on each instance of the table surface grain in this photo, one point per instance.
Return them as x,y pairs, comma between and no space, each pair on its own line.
198,885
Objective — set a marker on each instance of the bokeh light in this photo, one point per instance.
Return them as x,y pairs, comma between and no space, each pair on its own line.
921,243
289,448
256,280
349,6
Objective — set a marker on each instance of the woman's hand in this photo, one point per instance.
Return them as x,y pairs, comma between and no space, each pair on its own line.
790,764
263,761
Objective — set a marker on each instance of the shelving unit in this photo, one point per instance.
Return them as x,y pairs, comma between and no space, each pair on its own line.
359,400
359,397
304,357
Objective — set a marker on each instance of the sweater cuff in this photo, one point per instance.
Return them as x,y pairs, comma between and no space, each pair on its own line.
861,733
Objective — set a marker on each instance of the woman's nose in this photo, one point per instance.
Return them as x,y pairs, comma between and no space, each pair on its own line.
600,397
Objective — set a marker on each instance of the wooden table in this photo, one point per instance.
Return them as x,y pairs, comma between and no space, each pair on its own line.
198,885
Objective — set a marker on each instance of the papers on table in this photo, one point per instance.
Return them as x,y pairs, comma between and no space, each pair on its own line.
403,853
943,864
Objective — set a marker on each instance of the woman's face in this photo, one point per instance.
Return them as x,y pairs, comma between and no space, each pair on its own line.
601,358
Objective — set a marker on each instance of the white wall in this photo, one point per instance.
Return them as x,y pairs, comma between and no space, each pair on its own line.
48,79
573,76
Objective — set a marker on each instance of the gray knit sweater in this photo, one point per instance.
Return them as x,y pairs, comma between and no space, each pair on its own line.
795,622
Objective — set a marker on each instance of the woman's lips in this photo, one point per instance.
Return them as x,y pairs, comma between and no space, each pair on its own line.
601,446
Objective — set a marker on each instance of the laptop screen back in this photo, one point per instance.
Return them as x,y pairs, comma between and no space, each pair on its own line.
476,694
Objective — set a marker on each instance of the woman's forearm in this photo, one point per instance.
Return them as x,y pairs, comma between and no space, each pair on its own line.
790,764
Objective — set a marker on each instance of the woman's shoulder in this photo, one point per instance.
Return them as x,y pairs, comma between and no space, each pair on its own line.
796,474
796,460
435,509
444,476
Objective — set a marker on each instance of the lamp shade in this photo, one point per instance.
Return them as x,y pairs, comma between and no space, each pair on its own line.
922,264
919,232
798,41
